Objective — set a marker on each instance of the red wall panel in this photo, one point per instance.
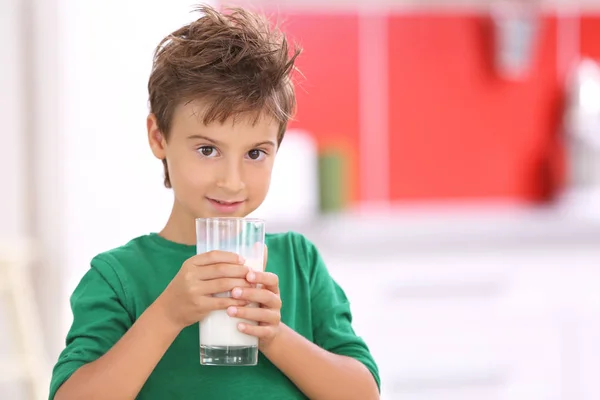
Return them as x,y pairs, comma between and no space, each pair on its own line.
590,36
457,129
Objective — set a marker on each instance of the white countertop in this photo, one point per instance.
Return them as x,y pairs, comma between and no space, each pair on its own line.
464,227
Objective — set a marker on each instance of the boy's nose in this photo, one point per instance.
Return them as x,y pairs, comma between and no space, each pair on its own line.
231,179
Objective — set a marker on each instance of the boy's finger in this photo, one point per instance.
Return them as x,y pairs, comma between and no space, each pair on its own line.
208,272
264,297
256,330
216,257
223,285
222,303
263,315
269,280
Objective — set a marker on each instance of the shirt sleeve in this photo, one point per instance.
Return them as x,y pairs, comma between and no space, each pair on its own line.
332,317
100,319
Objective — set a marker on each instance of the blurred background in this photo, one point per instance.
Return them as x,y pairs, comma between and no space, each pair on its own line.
445,159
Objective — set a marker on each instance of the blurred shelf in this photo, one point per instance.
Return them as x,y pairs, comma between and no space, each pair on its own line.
448,228
447,380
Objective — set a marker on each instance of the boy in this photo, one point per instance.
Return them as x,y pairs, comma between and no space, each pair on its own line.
220,98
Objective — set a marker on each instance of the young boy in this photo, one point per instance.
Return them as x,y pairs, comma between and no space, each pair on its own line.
220,98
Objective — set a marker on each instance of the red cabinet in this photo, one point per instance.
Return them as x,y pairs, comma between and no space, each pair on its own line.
456,129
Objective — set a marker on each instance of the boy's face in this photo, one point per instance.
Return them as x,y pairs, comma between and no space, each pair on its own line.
219,170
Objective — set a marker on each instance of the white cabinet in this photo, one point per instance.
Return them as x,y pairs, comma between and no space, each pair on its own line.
444,328
505,320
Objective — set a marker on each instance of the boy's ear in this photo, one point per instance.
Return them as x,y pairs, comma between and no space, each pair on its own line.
156,140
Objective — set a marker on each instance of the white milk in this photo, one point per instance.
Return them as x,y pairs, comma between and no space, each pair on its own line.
219,329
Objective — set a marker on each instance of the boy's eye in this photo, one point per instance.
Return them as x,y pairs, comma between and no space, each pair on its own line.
256,154
207,151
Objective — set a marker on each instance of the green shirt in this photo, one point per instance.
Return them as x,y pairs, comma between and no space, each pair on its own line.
123,282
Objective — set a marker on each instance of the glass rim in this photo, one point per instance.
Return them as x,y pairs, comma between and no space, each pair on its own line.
224,219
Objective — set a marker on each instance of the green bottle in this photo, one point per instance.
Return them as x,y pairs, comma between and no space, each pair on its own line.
333,187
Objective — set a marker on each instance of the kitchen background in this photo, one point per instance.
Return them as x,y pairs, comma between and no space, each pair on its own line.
445,159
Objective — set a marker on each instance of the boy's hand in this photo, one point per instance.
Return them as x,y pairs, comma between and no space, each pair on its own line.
265,292
188,298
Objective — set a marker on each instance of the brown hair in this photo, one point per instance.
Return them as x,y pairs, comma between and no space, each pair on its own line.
234,61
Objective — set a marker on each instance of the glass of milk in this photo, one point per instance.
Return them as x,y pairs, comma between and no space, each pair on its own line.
221,343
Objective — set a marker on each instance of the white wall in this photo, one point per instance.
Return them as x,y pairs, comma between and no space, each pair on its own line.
77,174
13,221
12,198
103,185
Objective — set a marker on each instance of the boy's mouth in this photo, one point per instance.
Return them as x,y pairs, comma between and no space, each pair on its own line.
225,203
225,206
